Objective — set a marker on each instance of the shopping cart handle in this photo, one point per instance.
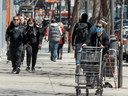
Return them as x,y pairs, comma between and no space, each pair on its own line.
91,47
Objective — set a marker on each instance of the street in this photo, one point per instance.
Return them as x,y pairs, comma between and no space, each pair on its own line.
50,78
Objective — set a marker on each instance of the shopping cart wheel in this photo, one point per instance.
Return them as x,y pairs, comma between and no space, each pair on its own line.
87,92
78,92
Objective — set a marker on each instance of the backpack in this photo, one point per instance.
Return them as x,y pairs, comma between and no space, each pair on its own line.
81,31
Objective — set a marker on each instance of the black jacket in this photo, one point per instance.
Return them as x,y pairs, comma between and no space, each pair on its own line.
83,20
16,35
22,25
94,41
34,37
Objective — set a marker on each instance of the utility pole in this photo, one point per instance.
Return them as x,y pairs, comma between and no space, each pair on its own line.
69,6
60,12
117,4
87,6
112,36
57,9
121,49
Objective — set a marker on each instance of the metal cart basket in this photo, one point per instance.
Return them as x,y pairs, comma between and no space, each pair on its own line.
90,68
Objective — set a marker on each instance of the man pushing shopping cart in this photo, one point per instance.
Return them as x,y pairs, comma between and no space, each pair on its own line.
99,40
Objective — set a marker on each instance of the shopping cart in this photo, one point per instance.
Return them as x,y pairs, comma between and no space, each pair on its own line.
90,68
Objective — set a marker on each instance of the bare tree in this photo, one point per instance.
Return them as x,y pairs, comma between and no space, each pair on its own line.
96,6
74,16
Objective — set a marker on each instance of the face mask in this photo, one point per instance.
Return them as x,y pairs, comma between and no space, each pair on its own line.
98,30
31,25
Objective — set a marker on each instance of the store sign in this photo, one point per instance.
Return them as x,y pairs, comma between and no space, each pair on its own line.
49,1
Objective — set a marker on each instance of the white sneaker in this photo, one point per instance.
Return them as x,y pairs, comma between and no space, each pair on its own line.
77,68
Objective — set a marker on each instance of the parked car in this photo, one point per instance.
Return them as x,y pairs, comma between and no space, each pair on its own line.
125,36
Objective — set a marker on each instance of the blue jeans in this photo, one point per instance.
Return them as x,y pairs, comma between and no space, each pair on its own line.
53,48
78,47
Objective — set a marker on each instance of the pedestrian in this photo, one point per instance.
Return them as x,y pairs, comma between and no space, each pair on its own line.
16,38
22,24
61,42
54,35
99,39
34,38
46,23
79,36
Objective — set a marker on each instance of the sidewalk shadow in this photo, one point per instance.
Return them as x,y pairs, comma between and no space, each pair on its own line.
74,94
13,92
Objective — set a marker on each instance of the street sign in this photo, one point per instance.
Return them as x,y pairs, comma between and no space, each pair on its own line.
16,2
49,1
63,3
72,3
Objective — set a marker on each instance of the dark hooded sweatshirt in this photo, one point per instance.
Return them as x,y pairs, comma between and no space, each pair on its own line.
83,20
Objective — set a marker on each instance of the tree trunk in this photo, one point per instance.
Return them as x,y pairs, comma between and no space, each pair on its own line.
78,12
75,9
105,7
95,11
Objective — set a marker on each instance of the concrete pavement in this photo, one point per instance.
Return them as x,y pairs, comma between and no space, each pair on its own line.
50,78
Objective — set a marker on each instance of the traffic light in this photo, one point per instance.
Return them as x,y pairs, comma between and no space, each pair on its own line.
48,8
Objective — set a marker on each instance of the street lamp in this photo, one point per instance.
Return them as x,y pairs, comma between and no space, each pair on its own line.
60,12
86,6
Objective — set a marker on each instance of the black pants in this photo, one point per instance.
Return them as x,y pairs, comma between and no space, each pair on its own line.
60,50
22,55
32,50
16,55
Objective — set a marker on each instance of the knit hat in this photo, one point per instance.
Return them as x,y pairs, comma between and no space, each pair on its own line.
104,20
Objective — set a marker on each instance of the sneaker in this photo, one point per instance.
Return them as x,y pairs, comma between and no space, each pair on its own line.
33,69
77,69
57,58
17,70
97,92
53,60
13,70
60,58
28,68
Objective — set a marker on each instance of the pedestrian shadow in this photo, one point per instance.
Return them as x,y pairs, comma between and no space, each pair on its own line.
55,74
125,65
74,94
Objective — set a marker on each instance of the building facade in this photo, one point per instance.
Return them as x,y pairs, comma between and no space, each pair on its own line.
2,25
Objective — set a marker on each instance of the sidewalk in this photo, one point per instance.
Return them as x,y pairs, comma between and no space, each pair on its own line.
50,78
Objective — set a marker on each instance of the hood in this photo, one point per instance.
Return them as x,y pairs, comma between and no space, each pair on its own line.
84,18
